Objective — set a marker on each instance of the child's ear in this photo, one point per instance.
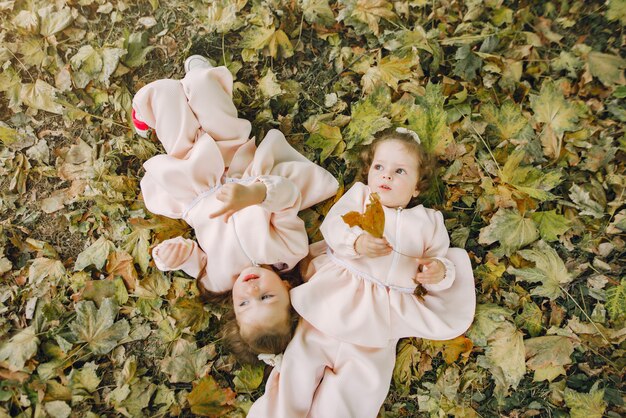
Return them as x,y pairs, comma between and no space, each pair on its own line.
416,193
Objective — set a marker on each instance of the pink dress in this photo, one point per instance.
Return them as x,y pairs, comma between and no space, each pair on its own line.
354,309
376,294
207,145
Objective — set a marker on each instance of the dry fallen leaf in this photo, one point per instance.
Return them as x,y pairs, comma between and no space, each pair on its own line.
372,221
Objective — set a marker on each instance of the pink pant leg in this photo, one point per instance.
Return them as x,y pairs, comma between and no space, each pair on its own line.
163,105
357,385
209,92
289,392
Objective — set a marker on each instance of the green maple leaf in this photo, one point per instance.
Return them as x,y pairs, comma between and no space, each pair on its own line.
549,270
249,378
88,60
390,70
616,300
467,63
153,286
326,138
566,61
505,355
548,353
84,381
318,11
268,85
208,399
137,49
52,22
45,267
223,16
609,69
368,117
557,114
256,37
511,229
97,327
186,362
585,203
19,349
429,120
530,319
139,397
507,121
95,254
617,11
550,224
365,14
406,360
487,319
41,95
190,313
585,405
528,179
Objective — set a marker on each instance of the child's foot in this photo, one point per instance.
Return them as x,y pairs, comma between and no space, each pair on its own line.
196,61
140,126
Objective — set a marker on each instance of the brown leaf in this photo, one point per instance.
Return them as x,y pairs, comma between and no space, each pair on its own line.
208,399
372,221
120,263
452,349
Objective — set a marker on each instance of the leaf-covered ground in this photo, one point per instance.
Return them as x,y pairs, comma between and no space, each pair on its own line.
522,101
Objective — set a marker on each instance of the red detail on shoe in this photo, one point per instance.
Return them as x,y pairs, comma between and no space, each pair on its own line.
139,124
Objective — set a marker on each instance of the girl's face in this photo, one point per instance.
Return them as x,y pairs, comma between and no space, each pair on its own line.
261,300
393,174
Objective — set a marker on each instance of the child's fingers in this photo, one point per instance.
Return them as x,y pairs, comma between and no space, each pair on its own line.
223,210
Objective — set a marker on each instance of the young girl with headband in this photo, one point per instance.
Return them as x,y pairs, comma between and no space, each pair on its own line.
241,200
360,299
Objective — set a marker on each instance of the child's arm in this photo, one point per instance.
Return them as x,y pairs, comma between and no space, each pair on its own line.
237,196
438,273
351,242
180,254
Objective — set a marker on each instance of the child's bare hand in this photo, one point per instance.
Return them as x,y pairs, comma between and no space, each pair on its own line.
172,253
369,246
430,271
237,196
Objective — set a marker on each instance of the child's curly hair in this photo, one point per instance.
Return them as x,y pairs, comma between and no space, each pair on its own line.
426,163
247,348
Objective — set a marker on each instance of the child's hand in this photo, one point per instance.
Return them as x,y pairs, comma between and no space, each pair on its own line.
430,271
369,246
237,196
172,253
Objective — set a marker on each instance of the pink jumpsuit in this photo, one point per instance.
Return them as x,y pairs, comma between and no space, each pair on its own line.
207,145
354,309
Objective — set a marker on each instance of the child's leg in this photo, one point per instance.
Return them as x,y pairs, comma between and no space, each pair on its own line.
289,392
209,91
357,385
163,106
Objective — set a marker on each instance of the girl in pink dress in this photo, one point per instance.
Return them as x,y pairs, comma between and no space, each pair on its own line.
360,299
242,201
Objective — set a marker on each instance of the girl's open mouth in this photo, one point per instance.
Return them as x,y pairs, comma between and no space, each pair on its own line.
385,187
250,277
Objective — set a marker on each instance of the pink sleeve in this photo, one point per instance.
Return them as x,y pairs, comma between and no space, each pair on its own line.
280,193
283,201
337,234
438,248
192,265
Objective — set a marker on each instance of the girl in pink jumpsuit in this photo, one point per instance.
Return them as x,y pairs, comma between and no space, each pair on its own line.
360,299
242,201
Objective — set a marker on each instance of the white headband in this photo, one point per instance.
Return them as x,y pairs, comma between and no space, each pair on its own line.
413,134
